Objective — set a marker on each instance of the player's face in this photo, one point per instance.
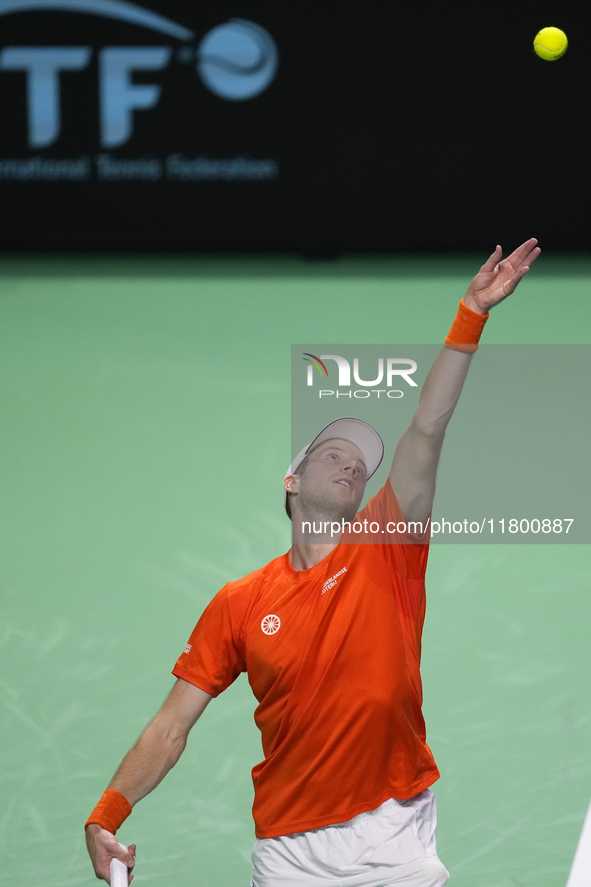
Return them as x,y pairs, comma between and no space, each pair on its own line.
334,479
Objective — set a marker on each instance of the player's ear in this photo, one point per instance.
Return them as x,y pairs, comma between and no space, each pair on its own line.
290,483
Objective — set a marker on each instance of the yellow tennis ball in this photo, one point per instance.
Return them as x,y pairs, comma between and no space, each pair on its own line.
550,44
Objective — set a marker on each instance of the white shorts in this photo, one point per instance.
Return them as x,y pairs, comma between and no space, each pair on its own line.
393,845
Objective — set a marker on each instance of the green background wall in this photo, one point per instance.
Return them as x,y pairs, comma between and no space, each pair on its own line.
145,431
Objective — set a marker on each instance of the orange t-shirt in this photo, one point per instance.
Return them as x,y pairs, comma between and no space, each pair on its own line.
332,655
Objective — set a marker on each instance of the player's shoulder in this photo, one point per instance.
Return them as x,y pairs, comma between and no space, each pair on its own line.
253,582
383,500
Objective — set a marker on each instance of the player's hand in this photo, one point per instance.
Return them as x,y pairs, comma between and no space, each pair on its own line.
499,277
102,847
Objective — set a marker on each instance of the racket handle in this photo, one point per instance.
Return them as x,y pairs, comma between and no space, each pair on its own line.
118,871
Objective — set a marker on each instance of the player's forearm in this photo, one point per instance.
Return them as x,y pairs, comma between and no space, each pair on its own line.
156,751
147,763
441,393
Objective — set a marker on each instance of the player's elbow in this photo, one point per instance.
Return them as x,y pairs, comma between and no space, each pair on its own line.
171,731
429,430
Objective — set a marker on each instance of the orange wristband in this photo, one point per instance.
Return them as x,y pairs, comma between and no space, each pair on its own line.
111,811
466,329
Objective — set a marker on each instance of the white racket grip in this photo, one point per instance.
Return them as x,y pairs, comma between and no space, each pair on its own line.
118,871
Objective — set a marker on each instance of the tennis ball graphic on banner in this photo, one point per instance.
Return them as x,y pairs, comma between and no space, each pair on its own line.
237,60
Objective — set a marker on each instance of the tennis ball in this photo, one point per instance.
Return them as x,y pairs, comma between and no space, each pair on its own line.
550,44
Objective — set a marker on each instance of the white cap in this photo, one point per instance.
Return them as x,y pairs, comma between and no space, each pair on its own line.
358,432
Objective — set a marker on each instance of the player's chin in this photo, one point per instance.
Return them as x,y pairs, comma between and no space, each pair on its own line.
348,503
345,499
350,512
345,493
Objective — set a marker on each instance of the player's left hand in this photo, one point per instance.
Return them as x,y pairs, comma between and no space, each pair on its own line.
499,277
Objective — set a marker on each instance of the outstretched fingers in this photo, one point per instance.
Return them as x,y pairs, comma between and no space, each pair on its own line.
493,260
524,254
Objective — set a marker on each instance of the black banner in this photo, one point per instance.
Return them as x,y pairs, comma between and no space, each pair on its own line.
306,126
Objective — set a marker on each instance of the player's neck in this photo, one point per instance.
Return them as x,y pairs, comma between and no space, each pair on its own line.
314,535
305,556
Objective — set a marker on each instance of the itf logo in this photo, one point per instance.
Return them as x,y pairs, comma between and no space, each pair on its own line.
236,61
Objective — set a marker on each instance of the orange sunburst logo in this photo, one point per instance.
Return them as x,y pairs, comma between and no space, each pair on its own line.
271,624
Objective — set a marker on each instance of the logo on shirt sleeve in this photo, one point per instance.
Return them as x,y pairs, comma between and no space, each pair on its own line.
271,624
187,648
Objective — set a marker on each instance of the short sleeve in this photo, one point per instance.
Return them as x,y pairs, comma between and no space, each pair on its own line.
213,659
403,544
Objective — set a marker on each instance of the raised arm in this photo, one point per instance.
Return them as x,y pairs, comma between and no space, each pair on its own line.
145,765
414,467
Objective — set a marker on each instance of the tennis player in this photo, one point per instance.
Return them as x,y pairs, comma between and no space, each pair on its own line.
330,636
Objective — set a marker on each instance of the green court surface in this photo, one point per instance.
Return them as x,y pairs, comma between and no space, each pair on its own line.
145,433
